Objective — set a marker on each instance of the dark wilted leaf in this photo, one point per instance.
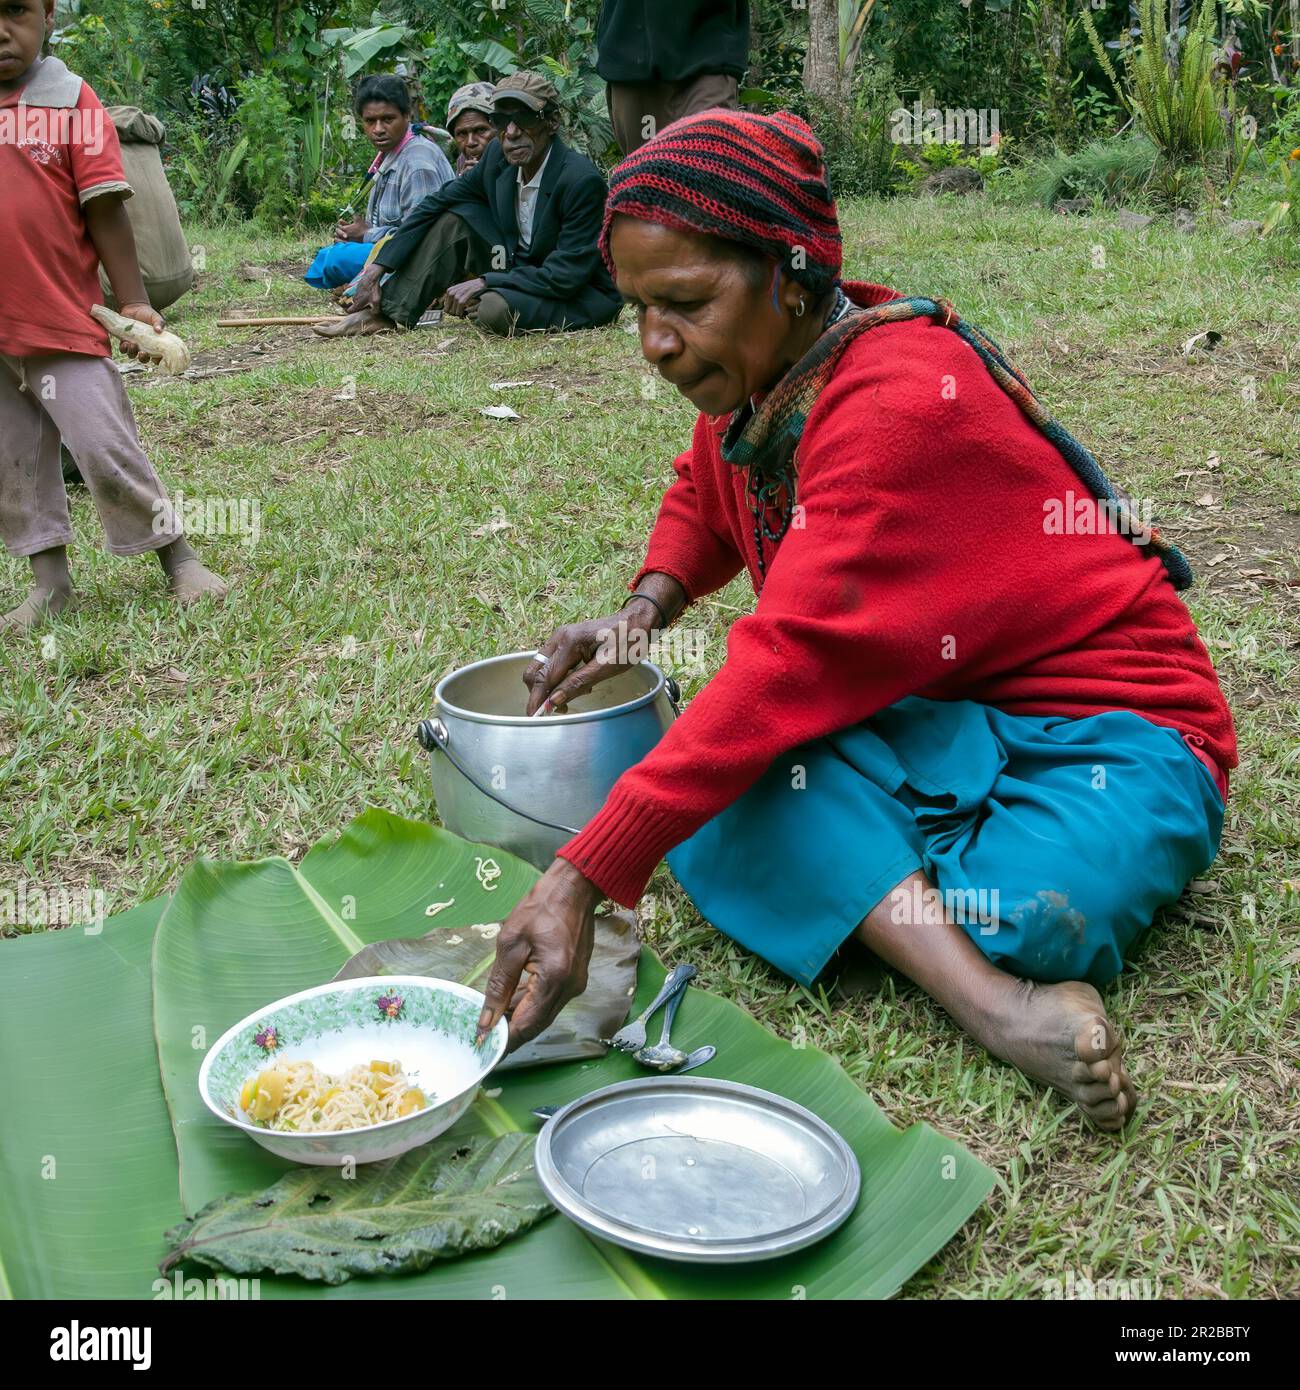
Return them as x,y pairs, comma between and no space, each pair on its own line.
465,955
434,1203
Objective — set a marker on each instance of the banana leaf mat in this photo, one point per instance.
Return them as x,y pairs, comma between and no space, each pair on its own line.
105,1144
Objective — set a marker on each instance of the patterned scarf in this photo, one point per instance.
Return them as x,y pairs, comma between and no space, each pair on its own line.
764,441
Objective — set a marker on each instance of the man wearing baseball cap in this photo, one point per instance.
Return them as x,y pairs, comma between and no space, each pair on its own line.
512,243
469,115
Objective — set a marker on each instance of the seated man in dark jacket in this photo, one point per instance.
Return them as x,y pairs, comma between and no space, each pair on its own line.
512,243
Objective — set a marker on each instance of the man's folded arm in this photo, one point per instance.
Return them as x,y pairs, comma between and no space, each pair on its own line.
394,254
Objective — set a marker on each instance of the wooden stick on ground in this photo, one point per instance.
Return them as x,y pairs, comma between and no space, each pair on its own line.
274,322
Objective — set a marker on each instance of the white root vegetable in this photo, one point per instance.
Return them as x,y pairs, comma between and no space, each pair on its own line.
175,355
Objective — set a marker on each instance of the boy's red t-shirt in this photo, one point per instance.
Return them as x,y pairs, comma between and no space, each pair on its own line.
58,149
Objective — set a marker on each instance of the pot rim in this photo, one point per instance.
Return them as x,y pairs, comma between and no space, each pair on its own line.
444,706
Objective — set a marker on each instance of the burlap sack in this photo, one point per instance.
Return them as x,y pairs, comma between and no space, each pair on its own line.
159,241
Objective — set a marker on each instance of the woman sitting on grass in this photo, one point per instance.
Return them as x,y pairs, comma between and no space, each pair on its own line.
406,168
968,723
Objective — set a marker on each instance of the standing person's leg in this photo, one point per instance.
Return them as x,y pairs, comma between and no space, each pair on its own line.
638,111
450,252
707,92
86,405
34,520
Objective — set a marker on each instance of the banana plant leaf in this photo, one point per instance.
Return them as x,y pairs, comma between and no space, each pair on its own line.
467,957
433,1203
239,936
87,1160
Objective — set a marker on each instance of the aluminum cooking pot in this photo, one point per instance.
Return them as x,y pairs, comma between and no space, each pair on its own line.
528,785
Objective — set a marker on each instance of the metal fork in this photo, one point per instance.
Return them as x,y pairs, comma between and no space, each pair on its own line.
632,1035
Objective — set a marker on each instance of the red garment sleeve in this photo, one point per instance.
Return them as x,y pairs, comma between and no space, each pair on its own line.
685,543
96,156
875,596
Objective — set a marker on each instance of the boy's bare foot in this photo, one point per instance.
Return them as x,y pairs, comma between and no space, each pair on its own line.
190,581
360,324
39,606
1059,1034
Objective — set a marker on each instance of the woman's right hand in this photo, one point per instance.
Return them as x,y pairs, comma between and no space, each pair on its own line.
578,656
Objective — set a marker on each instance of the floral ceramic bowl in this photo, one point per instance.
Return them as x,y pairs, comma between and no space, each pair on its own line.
428,1025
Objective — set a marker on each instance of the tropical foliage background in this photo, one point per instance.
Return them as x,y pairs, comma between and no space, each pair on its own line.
1204,96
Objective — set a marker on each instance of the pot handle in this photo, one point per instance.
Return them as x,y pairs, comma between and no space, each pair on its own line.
674,692
433,737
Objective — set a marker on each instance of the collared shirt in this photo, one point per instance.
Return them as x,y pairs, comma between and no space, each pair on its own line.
405,178
58,151
526,201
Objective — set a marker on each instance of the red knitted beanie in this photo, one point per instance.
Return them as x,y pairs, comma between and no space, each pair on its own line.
758,180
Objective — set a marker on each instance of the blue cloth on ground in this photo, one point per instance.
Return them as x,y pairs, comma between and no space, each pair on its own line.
339,264
1053,841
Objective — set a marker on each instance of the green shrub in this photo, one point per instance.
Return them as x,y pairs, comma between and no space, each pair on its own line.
269,172
1113,171
861,156
1175,104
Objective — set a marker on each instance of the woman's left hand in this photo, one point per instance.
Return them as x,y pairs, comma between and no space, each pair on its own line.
550,934
147,314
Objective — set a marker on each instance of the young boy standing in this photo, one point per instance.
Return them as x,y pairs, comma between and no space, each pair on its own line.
62,215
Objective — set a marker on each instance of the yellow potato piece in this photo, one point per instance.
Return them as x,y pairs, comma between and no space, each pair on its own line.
270,1093
411,1102
388,1068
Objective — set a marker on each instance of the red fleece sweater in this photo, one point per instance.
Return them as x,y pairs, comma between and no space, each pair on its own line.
923,567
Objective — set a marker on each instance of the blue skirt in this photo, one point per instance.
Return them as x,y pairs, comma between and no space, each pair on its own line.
1051,841
339,264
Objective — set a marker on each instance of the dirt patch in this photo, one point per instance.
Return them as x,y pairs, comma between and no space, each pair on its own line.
280,418
1251,551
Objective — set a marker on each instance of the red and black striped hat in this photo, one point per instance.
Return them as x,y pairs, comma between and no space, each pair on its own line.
758,180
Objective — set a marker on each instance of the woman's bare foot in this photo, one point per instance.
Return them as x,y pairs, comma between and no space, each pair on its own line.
1059,1034
40,605
360,324
190,581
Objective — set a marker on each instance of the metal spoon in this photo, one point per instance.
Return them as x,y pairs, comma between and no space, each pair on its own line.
663,1056
698,1058
632,1035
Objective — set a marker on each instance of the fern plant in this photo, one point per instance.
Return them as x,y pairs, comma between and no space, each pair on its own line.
1171,97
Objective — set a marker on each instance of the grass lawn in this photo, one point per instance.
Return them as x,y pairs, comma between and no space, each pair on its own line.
133,739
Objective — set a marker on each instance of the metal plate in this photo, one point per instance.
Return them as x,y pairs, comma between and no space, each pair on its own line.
690,1168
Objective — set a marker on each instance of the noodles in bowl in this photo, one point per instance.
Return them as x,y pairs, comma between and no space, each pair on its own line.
315,1078
298,1097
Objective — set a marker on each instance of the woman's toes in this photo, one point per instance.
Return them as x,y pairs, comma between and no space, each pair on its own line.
1107,1114
1094,1094
1095,1041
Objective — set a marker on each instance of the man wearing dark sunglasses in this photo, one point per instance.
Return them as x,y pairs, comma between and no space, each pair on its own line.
512,243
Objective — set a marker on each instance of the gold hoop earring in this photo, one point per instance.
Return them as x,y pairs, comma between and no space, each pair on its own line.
799,312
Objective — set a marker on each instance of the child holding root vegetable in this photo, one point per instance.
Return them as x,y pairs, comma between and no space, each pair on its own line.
62,215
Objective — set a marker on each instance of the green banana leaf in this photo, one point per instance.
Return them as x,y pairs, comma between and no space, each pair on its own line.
87,1160
239,936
